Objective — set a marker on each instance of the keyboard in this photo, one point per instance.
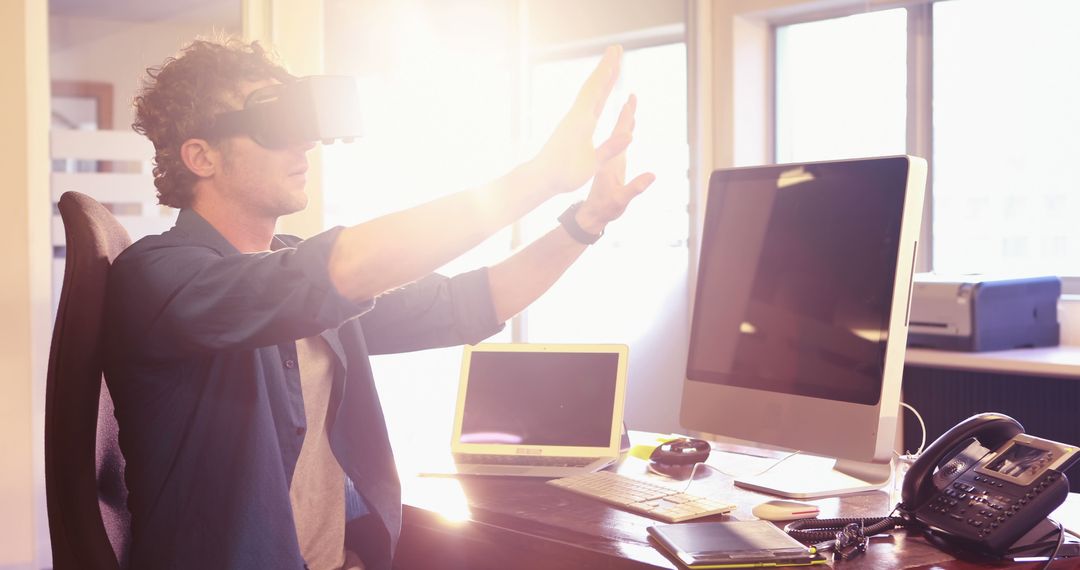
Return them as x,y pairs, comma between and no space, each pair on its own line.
651,499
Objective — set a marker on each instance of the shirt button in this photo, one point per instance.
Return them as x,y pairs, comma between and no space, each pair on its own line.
290,363
300,431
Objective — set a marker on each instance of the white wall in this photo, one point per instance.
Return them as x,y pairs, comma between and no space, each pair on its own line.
118,52
24,292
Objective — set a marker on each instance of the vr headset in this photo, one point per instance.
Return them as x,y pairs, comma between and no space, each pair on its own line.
311,109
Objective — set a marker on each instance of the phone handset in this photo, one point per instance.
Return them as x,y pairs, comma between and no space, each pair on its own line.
954,453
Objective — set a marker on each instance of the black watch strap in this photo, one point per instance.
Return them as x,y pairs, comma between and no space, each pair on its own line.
568,219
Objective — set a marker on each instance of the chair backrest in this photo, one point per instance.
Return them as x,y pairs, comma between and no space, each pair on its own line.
89,524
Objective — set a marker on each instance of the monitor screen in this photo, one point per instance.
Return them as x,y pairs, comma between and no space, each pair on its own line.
796,279
540,398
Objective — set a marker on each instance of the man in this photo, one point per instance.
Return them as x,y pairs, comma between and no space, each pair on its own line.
238,360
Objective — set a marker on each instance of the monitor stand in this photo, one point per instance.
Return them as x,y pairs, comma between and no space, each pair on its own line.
811,477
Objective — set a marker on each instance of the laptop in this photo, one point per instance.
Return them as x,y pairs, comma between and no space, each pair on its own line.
539,410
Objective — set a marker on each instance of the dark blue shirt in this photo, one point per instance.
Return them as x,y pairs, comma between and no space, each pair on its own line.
201,364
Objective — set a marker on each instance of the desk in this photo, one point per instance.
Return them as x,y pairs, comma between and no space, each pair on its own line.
523,523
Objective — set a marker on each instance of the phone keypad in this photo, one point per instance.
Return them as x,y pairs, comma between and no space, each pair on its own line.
983,504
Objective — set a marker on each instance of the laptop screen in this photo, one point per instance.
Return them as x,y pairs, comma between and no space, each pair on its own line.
540,398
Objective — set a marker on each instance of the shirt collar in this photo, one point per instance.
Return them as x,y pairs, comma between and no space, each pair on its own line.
195,226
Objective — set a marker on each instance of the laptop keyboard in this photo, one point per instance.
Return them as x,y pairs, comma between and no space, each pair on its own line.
524,460
649,499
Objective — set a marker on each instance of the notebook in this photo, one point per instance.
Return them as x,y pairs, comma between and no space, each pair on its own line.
539,410
732,544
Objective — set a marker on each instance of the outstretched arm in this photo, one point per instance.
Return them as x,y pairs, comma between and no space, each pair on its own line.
523,277
379,255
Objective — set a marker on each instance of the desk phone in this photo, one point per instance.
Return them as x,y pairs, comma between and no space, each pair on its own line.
986,483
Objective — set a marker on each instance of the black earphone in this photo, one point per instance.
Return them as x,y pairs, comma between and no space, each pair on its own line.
682,451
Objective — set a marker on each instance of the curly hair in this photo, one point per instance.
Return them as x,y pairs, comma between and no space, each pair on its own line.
179,98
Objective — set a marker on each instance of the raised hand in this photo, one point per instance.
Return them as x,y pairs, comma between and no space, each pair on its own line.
568,159
610,194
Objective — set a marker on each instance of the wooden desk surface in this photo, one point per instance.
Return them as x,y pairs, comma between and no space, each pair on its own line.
479,523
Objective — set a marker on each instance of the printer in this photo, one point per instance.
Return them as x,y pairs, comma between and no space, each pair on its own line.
978,312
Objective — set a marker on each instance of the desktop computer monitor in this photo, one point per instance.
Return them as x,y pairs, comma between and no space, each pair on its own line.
799,321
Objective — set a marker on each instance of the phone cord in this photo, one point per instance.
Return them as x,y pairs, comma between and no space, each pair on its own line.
817,530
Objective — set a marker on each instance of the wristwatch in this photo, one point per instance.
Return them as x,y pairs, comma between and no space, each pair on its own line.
568,219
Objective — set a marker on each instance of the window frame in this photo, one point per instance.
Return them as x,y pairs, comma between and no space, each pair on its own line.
920,94
919,117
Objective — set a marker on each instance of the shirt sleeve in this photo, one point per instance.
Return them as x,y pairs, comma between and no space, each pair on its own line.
175,300
433,312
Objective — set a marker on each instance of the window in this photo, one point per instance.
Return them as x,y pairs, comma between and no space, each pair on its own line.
641,262
1003,125
1006,136
841,87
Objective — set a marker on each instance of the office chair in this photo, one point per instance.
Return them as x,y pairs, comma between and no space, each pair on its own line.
84,470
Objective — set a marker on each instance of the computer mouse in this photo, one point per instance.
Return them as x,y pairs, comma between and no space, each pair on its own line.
681,451
778,510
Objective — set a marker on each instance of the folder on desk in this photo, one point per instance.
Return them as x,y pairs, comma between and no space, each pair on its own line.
732,544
